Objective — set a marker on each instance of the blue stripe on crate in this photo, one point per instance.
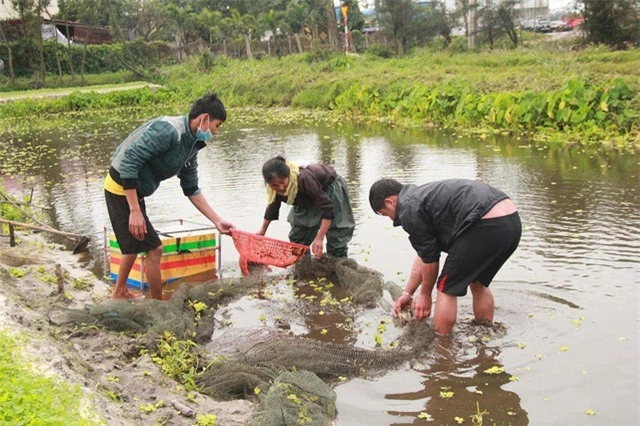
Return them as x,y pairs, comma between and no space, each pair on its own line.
135,283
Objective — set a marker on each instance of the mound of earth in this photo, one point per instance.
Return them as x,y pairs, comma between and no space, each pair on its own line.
127,388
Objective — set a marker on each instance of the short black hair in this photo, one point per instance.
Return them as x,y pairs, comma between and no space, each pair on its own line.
275,167
209,104
382,189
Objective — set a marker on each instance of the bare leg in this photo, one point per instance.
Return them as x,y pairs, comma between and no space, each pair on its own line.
446,313
483,304
120,291
152,270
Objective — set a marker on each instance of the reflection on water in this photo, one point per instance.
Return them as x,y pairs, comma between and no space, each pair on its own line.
572,283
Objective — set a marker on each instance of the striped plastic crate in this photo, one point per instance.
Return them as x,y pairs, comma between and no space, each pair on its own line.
189,249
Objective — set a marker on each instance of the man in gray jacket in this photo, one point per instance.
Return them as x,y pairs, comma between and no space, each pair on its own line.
475,224
158,150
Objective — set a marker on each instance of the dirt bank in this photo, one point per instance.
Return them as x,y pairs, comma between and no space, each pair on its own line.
108,367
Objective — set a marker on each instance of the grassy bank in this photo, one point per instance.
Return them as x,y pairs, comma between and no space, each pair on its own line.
27,397
587,98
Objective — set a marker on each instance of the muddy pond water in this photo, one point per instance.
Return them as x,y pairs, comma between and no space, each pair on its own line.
568,297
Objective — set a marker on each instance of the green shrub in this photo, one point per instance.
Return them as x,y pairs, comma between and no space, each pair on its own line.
103,58
317,54
380,50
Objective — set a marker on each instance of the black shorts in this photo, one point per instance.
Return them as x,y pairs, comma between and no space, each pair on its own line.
479,253
119,215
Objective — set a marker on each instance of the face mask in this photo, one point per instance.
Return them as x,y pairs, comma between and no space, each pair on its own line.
205,136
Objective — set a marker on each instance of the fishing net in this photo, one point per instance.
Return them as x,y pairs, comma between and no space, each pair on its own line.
181,315
280,370
298,397
364,284
265,250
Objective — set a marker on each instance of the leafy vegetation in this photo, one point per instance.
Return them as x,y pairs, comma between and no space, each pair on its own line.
28,398
587,98
177,359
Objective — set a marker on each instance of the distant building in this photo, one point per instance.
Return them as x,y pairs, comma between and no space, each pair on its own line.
63,30
533,9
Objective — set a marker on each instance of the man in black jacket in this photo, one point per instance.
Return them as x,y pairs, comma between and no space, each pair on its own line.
476,224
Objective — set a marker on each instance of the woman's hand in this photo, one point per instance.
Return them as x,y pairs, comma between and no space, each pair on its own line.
317,247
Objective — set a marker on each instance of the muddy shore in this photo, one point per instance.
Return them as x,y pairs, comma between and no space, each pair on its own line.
106,365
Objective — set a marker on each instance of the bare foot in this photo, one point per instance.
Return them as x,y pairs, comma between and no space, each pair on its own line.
127,295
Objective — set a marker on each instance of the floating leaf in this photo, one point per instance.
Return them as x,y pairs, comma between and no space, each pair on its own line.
17,272
590,412
513,379
539,356
564,348
378,339
494,370
521,345
425,416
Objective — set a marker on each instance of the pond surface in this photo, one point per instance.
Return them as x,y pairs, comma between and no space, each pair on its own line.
568,296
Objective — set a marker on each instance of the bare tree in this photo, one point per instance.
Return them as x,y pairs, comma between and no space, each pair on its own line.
332,25
12,76
506,17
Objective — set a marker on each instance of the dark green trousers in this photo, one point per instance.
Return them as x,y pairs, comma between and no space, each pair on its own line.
305,222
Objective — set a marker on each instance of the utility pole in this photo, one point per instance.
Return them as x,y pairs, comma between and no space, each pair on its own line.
345,10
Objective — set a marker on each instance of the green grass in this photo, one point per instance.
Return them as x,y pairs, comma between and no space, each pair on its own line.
56,81
547,93
30,398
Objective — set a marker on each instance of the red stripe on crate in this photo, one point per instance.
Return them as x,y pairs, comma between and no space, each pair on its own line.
116,261
187,262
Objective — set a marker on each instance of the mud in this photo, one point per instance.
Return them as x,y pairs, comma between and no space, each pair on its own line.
107,366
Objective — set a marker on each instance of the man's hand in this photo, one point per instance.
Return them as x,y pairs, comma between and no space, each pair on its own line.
422,306
137,225
317,246
402,301
224,227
